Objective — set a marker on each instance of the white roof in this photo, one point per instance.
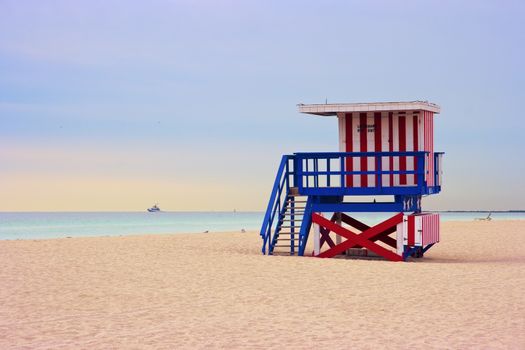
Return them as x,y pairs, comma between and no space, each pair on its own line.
333,108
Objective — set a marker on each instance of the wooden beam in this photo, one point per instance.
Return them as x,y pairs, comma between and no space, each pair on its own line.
362,239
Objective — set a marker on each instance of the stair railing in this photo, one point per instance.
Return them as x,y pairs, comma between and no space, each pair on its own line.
276,203
305,226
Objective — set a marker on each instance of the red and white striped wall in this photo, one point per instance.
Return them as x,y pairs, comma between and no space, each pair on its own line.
397,131
429,144
418,230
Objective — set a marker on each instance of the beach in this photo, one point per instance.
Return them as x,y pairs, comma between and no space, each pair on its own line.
216,290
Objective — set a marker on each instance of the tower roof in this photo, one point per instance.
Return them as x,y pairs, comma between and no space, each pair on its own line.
329,109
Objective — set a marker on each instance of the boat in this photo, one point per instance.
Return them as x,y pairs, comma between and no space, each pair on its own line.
154,209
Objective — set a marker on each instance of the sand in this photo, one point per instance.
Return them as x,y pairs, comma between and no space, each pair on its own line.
216,291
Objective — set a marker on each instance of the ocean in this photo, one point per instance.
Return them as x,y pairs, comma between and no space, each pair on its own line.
43,225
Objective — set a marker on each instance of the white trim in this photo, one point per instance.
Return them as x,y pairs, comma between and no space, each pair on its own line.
317,239
333,108
400,236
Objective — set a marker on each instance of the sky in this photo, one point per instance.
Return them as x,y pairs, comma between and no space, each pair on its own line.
116,105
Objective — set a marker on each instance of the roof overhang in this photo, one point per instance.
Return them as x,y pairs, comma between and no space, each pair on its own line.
329,109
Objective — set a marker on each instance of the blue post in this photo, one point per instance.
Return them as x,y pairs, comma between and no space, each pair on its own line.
305,226
342,171
328,171
436,169
292,229
379,170
421,169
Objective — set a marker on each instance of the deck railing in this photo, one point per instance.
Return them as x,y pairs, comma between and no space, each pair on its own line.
331,173
328,174
438,172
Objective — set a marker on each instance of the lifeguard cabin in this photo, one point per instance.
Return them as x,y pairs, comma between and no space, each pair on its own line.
386,152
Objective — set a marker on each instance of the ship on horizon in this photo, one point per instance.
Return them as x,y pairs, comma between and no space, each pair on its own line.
155,208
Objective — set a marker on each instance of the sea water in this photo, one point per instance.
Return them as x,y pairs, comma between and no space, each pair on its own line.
41,225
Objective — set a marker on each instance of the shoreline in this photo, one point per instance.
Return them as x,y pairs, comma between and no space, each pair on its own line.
247,231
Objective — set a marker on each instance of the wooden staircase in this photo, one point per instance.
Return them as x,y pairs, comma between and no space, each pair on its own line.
286,237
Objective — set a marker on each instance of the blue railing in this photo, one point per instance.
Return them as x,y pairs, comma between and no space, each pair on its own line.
438,157
305,226
331,173
283,182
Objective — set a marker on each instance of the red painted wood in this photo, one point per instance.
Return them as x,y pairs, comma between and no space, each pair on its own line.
429,146
415,131
363,227
377,139
391,144
354,222
411,229
363,147
389,240
402,148
325,237
325,234
354,239
349,148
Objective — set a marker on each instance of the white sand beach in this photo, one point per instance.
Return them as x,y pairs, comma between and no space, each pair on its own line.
217,291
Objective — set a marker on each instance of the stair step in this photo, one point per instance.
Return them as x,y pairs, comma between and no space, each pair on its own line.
288,239
289,226
289,220
289,233
295,201
281,246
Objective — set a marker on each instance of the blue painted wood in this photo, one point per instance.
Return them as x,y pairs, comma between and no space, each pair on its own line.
391,207
409,251
325,195
367,191
277,229
428,247
274,203
305,226
307,187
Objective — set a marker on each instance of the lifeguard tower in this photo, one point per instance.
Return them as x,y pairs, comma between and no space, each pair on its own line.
386,153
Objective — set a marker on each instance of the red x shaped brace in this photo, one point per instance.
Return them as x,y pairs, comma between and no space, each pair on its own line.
325,234
365,239
383,237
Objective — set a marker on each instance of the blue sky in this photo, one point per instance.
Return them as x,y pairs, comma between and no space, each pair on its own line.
114,105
